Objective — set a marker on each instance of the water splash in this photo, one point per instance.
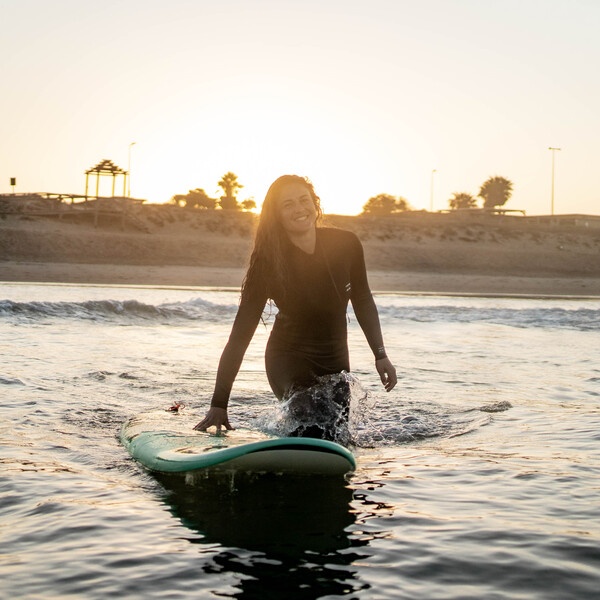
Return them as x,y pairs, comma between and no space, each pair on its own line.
328,409
338,408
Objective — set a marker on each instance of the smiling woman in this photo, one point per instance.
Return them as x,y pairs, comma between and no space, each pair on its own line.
310,273
298,212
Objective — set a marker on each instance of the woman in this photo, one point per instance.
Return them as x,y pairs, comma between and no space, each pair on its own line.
310,273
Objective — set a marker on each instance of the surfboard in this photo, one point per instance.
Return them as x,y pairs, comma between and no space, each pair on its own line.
166,443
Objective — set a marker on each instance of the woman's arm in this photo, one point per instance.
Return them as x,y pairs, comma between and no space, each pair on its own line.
366,313
244,326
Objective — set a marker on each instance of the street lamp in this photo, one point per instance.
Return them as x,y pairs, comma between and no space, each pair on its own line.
553,150
431,192
129,171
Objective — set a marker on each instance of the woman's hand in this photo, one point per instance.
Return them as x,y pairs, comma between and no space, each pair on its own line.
215,416
387,373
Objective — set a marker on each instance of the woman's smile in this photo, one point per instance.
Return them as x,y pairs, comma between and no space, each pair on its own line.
297,210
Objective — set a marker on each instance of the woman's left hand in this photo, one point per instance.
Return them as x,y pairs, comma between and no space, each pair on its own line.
387,373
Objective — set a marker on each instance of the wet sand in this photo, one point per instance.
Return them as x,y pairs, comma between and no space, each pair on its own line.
228,277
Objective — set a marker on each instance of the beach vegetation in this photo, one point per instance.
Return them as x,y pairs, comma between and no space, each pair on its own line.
462,200
495,191
248,204
385,204
197,198
230,185
178,200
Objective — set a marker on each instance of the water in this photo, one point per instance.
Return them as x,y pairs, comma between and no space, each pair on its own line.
478,477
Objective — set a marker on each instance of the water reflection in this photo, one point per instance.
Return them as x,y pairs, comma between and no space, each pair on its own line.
295,527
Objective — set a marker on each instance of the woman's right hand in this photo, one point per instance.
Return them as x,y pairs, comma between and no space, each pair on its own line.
387,373
215,416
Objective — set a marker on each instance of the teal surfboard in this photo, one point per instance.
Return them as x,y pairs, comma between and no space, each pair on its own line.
166,443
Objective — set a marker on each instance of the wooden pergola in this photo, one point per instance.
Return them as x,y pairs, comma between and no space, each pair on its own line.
106,168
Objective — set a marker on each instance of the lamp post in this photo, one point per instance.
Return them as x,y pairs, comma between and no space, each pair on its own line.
431,191
553,150
129,171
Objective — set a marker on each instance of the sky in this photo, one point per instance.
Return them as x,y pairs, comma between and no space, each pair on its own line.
414,98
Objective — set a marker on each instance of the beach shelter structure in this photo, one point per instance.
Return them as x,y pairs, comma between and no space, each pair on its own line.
106,168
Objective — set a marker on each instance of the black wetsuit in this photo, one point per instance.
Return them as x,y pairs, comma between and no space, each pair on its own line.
309,336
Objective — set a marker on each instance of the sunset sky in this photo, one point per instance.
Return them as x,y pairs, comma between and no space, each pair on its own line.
363,97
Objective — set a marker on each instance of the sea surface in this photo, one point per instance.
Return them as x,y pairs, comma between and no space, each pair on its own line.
478,476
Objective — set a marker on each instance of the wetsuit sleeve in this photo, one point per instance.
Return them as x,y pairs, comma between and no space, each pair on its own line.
363,303
250,310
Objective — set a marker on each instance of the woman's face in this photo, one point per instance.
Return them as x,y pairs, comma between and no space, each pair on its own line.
297,212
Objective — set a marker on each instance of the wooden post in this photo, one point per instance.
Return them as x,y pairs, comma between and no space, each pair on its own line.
124,203
96,205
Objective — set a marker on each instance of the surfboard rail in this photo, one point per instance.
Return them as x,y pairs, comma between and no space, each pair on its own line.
169,452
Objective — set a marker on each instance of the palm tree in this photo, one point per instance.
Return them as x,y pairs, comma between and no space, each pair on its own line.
495,192
462,200
229,184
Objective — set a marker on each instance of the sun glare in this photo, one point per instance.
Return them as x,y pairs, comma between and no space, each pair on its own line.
258,142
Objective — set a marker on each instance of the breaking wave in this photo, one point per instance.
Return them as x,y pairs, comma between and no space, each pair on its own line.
117,310
582,319
125,311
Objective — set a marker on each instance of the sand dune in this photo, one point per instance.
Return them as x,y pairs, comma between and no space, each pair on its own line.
170,246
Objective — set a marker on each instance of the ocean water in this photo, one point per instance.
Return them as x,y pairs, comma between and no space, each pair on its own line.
478,476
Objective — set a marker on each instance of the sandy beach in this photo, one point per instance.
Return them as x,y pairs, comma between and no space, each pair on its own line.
171,247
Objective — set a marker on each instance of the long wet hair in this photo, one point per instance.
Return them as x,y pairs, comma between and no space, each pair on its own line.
268,265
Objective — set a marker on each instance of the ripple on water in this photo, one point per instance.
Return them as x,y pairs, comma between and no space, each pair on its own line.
452,498
7,380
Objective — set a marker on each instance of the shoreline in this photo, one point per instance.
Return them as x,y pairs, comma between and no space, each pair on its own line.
411,254
406,282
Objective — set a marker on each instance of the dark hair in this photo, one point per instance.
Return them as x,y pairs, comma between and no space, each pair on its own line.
268,265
